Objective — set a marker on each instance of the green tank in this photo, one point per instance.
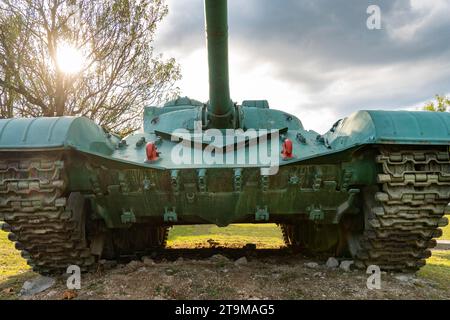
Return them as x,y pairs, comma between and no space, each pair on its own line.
375,187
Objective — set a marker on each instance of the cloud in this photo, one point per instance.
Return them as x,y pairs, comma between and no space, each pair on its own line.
316,58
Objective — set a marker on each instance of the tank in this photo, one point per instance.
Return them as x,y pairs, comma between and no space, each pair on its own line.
375,187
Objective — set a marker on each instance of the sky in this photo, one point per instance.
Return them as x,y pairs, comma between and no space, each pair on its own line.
317,59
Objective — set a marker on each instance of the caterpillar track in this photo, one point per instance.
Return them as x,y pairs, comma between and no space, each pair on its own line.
164,236
285,234
39,216
47,223
405,214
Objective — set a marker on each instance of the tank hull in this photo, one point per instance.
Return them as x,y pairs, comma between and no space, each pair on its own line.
380,204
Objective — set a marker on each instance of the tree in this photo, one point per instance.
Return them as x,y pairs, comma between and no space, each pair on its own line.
441,105
118,75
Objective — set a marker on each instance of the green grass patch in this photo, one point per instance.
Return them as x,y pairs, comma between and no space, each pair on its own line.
265,236
14,270
11,262
438,269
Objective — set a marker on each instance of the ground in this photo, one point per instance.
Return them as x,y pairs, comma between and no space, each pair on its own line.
270,273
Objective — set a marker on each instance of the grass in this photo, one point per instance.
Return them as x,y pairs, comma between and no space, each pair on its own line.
11,263
13,269
264,236
438,269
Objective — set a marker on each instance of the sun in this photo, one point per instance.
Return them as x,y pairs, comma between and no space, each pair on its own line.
69,59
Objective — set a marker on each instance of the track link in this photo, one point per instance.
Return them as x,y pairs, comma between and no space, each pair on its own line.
38,216
285,233
408,209
165,236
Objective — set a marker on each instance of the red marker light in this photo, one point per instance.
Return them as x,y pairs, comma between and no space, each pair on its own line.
287,150
152,152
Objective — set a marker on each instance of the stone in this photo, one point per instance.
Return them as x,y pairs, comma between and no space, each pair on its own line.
311,265
170,272
8,291
134,265
142,269
420,282
37,285
332,263
148,261
346,265
404,277
318,275
219,258
241,261
52,293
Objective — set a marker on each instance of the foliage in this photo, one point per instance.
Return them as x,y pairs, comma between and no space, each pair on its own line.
120,73
441,104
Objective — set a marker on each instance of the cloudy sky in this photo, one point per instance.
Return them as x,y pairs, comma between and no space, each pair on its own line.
316,58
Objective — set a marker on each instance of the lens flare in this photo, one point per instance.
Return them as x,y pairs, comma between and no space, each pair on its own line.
70,59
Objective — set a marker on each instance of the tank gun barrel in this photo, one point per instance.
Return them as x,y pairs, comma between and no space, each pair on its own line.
220,106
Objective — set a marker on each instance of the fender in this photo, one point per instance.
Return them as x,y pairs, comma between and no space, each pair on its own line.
391,127
46,133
